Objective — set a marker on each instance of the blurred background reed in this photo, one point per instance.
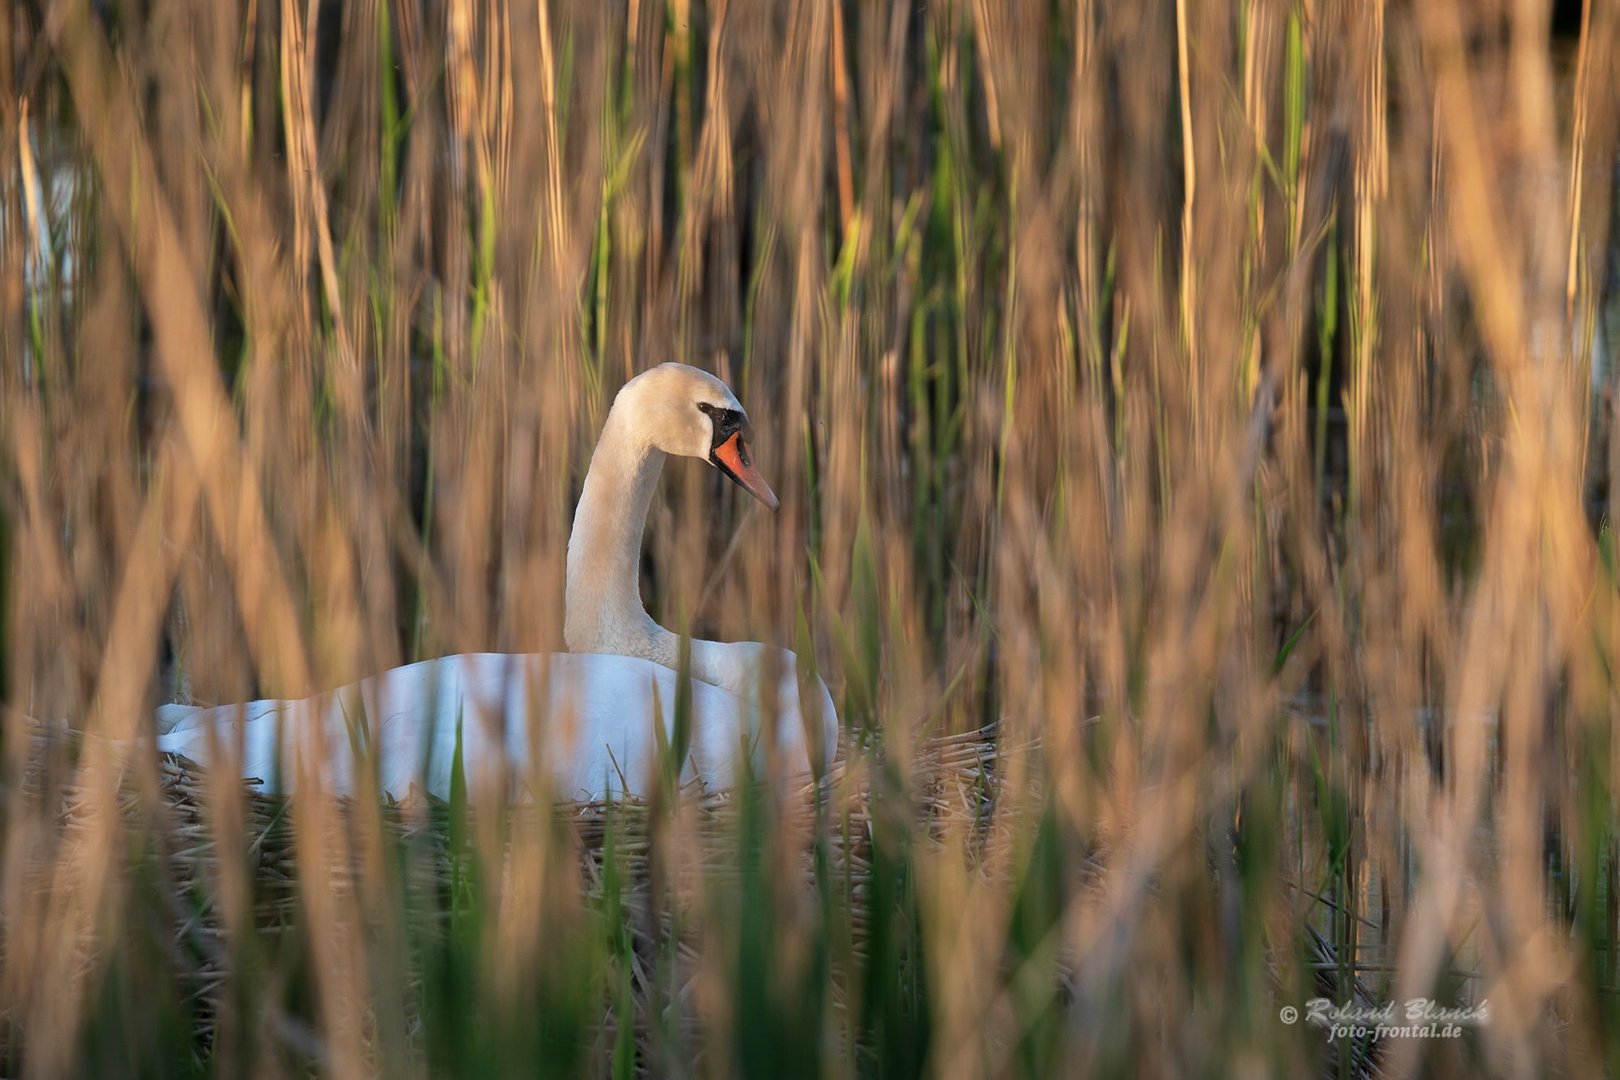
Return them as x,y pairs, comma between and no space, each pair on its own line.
1194,426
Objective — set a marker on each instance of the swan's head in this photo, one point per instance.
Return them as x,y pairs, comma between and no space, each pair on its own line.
690,413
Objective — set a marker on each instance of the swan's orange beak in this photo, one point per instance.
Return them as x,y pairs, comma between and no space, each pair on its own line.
732,458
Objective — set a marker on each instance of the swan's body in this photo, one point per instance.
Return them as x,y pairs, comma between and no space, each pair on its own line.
587,719
585,722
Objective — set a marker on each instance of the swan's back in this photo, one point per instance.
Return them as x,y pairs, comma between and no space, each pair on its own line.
587,719
770,680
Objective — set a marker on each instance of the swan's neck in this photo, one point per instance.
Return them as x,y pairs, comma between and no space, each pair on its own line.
604,612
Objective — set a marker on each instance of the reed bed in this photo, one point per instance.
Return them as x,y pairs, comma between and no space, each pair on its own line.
613,844
1194,427
955,778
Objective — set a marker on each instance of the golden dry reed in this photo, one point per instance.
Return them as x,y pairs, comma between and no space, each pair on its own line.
1193,421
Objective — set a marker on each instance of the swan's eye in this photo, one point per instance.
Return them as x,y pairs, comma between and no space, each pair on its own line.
726,422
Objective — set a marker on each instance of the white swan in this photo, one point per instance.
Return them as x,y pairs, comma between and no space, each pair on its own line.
590,718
